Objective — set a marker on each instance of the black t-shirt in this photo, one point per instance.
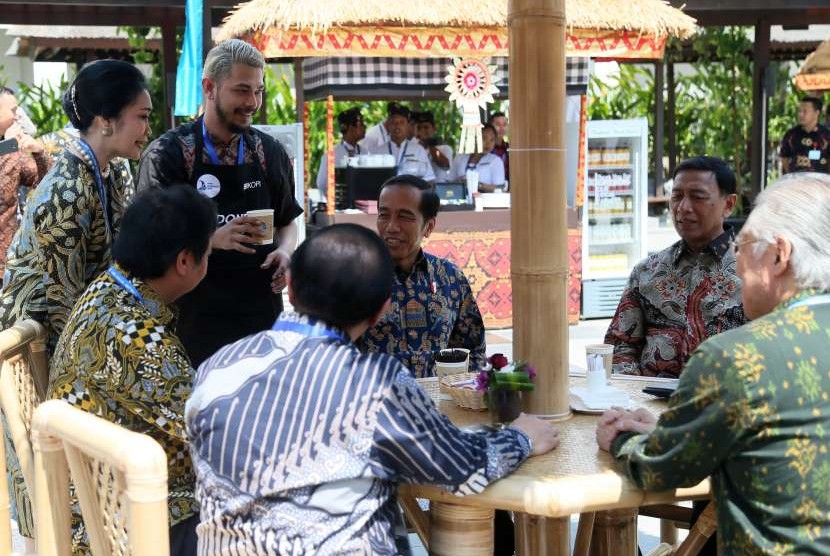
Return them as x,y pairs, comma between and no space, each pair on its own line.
797,145
170,159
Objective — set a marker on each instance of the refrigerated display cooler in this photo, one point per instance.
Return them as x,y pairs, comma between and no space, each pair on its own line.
615,210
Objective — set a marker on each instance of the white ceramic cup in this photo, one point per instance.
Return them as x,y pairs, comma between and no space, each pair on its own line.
266,224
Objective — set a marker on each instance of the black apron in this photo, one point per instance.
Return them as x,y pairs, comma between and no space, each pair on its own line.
235,299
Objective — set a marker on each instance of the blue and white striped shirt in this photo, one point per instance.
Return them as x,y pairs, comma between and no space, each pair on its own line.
299,443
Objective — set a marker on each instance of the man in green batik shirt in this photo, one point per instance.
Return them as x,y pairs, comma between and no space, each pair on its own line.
752,408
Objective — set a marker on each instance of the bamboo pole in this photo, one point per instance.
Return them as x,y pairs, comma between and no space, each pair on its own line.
538,220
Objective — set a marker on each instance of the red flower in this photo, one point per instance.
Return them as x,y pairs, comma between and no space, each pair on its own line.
499,361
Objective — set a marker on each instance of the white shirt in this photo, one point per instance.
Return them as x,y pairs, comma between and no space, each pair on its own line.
375,135
440,173
490,169
341,150
410,157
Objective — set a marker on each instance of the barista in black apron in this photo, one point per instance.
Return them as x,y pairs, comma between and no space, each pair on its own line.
235,298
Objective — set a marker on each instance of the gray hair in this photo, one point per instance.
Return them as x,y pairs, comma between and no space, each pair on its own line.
797,208
223,56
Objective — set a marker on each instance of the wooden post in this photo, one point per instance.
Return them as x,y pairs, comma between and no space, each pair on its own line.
542,535
168,56
539,234
298,88
659,119
671,107
460,530
615,532
760,63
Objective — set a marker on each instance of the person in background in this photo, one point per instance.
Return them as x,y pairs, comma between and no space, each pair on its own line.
118,356
330,432
75,213
433,307
241,168
410,157
499,122
752,408
488,166
806,147
352,130
688,292
440,155
25,167
378,134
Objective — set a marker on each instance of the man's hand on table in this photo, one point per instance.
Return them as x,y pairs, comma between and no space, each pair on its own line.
617,420
543,436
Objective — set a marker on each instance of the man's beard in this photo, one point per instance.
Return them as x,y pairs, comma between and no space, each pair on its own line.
226,120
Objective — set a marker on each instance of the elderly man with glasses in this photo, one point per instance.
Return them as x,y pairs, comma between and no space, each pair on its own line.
752,408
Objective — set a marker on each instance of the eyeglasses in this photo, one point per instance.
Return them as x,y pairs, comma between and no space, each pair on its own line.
735,245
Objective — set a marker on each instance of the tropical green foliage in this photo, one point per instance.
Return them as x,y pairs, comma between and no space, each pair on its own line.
43,105
137,39
713,100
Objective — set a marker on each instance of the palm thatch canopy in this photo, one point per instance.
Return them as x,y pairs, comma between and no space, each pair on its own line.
648,17
814,73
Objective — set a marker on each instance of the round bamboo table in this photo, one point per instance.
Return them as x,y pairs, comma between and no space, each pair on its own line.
576,477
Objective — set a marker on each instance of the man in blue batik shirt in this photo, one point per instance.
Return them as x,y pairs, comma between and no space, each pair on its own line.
299,441
433,307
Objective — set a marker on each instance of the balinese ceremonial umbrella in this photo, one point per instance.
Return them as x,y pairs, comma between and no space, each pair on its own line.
446,28
814,73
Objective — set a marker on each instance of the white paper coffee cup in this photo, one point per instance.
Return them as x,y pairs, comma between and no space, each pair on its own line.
266,224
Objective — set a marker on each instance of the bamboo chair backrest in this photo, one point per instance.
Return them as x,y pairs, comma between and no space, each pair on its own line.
24,375
120,480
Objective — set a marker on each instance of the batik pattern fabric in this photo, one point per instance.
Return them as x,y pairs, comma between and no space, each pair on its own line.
752,410
433,308
61,246
674,300
16,169
119,359
797,145
300,441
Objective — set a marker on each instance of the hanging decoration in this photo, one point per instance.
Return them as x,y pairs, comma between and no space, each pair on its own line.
471,85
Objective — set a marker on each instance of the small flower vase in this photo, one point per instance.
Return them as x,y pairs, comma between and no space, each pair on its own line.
505,405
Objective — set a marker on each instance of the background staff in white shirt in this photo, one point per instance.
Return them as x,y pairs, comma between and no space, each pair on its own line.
490,168
352,130
440,155
378,134
410,156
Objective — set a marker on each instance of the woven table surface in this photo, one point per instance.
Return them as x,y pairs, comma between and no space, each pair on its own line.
575,477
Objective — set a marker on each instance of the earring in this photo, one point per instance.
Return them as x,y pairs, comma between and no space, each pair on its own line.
106,132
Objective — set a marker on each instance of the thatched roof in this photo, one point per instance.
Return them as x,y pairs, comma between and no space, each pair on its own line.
814,73
651,17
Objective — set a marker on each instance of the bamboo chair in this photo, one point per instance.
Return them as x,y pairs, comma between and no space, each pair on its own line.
24,376
701,531
120,480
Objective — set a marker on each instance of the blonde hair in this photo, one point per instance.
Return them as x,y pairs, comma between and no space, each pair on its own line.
222,57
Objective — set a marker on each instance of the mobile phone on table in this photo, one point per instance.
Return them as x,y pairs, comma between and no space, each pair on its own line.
8,146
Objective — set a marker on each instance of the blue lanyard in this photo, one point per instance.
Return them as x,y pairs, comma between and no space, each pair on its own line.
240,156
125,284
814,300
349,150
307,330
99,182
403,152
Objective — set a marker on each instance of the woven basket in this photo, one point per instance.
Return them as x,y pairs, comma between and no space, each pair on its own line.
468,398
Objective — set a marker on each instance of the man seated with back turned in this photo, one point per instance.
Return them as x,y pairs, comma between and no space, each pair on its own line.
300,441
433,307
752,409
119,357
688,292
